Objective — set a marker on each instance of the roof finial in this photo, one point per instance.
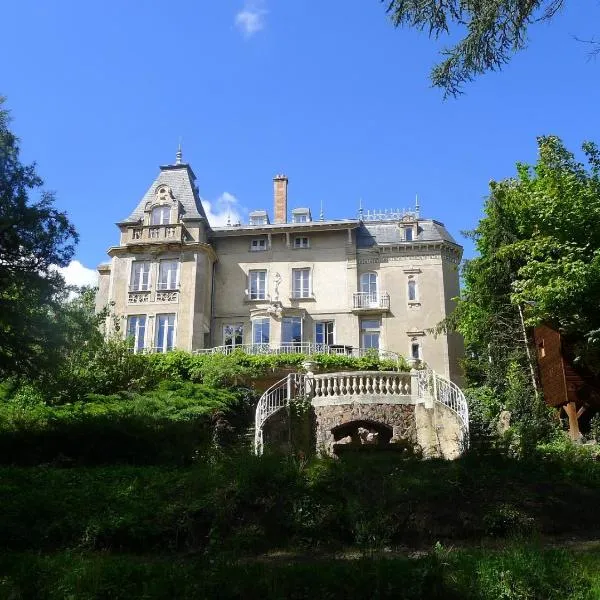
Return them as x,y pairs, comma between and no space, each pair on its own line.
417,207
360,209
321,214
228,216
179,154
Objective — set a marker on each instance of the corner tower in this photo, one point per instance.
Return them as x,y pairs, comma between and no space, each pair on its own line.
159,280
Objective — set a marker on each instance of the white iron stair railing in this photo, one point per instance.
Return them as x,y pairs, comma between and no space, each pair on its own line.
276,397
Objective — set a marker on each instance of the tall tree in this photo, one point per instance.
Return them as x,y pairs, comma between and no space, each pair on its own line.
494,31
34,237
538,252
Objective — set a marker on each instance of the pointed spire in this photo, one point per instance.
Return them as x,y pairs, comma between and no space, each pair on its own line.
360,209
228,216
179,154
417,207
321,214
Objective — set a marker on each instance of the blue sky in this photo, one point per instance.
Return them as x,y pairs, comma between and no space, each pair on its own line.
327,92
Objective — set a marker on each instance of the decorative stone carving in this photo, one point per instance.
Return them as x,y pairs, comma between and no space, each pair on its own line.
277,282
275,309
167,296
138,298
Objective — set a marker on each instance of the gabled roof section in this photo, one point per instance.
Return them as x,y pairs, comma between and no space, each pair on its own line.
181,179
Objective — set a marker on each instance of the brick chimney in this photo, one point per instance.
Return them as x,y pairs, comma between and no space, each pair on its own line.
280,183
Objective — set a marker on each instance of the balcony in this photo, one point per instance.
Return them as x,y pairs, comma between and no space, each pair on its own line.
155,234
364,302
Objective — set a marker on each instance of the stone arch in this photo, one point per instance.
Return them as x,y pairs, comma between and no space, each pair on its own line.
351,428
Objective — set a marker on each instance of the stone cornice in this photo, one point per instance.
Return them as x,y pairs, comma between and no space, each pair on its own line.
250,230
163,247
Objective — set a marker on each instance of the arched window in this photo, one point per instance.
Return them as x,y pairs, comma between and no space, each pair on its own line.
161,215
412,290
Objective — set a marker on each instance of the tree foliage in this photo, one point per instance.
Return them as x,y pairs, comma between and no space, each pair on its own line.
539,251
494,31
34,237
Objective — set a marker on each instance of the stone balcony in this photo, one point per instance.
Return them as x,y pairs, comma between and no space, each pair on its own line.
368,302
155,234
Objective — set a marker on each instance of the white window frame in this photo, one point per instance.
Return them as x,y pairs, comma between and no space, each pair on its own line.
305,291
164,347
262,321
172,279
145,268
258,245
164,215
301,242
370,331
234,326
415,286
261,293
292,343
259,220
138,344
300,218
325,322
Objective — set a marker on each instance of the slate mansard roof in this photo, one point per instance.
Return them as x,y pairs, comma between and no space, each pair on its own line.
383,233
181,179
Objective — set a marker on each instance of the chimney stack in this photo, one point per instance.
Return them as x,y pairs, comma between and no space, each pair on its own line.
280,183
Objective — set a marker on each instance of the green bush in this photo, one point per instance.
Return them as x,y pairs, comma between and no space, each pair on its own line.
172,424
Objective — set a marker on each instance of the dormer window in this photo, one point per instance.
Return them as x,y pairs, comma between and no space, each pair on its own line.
301,215
408,234
259,217
161,215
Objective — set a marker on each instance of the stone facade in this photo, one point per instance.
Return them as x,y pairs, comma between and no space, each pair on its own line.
381,280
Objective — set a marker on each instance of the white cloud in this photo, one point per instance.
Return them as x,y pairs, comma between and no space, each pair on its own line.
251,19
76,274
226,207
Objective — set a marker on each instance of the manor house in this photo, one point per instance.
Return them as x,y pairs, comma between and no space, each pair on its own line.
281,282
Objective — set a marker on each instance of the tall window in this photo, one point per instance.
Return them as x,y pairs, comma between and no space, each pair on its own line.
291,330
140,276
408,234
136,330
258,285
300,283
412,290
369,333
165,332
324,333
415,350
161,215
167,275
233,335
260,331
368,284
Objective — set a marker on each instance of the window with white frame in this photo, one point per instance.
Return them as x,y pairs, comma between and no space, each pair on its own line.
291,331
136,331
370,330
257,284
368,290
412,291
167,274
165,332
161,215
261,329
258,245
140,276
300,283
259,217
324,333
233,335
301,242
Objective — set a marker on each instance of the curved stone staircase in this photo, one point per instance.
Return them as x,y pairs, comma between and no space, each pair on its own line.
424,387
